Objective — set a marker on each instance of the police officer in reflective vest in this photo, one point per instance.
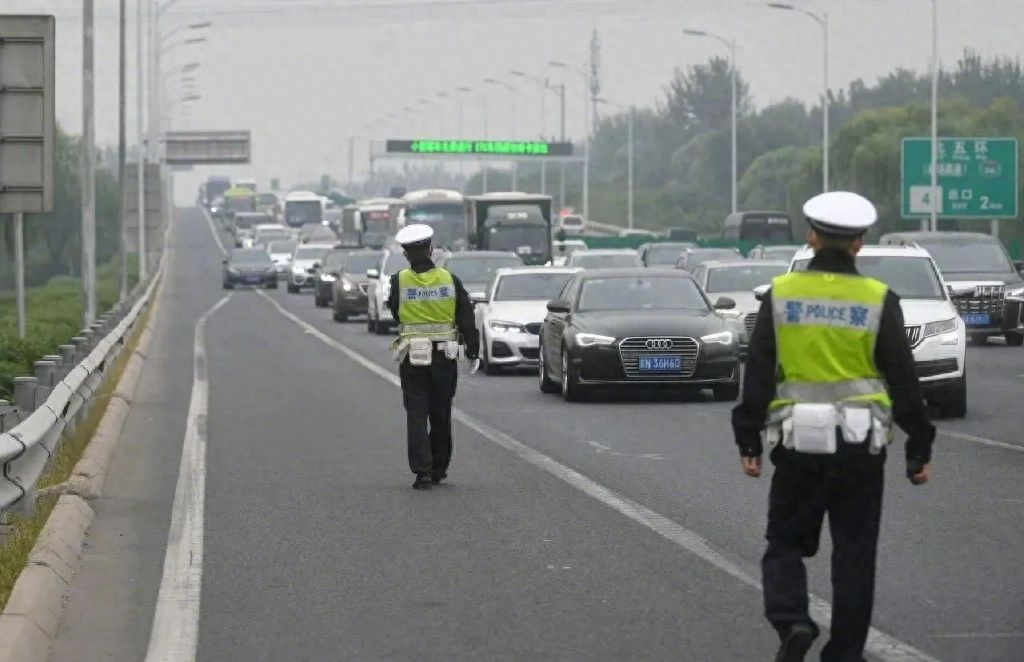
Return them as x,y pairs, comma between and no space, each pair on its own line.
434,312
829,369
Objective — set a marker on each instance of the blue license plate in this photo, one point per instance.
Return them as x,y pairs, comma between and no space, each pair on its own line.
977,319
660,364
252,280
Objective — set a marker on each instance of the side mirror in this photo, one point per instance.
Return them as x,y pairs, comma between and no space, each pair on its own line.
960,291
760,291
724,303
558,306
372,274
336,274
478,297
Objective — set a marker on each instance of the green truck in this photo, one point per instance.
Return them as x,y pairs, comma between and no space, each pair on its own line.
513,221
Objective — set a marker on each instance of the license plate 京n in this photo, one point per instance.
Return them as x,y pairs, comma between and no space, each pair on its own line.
660,364
977,319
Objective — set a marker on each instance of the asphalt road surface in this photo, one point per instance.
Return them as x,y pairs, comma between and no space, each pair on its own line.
620,528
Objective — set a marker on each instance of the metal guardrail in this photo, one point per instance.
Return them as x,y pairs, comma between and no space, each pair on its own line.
56,398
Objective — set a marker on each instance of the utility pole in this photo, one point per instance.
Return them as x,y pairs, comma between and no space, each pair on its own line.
140,137
122,157
88,168
351,160
595,73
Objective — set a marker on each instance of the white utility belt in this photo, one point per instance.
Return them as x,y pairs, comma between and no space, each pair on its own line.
420,349
815,428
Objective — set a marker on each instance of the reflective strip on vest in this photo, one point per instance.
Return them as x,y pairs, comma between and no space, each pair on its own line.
425,329
829,392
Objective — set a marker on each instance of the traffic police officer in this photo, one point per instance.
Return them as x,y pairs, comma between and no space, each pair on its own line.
433,310
829,368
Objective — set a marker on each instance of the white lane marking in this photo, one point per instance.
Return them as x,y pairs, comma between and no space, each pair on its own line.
880,644
981,440
601,449
980,635
213,231
175,632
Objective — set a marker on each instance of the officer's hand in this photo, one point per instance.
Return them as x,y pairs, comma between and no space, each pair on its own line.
922,476
474,365
751,466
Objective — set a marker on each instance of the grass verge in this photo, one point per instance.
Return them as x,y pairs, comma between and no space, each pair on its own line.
15,551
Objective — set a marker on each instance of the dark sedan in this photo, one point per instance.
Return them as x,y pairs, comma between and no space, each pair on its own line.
692,257
327,275
351,284
637,327
249,266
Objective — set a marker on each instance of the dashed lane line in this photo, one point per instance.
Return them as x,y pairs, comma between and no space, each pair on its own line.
882,645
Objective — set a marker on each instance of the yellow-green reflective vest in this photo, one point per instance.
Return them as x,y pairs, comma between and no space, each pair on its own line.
426,304
826,327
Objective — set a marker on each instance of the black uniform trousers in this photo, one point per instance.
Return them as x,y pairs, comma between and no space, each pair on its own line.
847,486
427,392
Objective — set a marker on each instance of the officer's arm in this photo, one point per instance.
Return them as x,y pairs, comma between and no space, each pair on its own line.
393,297
749,416
465,319
895,361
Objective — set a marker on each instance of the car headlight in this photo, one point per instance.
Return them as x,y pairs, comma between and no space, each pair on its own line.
346,284
298,270
506,327
940,327
720,338
729,313
592,339
234,272
1017,293
327,278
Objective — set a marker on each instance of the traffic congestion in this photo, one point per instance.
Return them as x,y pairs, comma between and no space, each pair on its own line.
664,315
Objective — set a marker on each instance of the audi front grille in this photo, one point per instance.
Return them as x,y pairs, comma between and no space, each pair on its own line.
631,349
913,335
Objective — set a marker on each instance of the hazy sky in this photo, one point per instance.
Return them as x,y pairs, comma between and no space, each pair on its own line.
305,75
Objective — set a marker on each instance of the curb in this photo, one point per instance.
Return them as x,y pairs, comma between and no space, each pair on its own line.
31,618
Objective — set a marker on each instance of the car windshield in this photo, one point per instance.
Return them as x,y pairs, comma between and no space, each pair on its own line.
335,259
530,287
664,255
479,269
360,263
741,278
530,239
966,255
249,256
279,247
589,260
640,293
700,257
909,277
779,252
310,253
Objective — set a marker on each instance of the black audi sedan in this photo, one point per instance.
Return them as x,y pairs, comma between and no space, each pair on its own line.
249,266
637,327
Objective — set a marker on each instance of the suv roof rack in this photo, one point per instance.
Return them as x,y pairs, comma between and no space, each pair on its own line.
898,240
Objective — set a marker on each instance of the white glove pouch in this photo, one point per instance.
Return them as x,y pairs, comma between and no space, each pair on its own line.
857,424
421,351
813,428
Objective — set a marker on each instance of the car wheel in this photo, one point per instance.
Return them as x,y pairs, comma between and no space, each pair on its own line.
229,286
571,391
547,385
272,285
340,316
320,302
381,328
292,289
1015,339
954,400
371,326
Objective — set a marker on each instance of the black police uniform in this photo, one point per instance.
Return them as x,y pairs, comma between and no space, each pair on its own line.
847,485
427,391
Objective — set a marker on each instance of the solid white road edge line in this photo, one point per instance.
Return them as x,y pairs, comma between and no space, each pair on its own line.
979,440
213,230
175,632
880,644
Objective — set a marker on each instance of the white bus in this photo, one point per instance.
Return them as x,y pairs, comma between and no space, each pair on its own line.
301,207
442,209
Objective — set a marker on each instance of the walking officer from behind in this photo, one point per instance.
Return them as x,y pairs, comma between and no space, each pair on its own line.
829,370
433,312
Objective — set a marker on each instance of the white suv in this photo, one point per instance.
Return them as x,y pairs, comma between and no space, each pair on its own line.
936,333
378,316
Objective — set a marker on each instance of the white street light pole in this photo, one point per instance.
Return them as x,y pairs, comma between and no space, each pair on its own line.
822,21
585,74
731,45
515,134
545,86
88,166
935,197
140,138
